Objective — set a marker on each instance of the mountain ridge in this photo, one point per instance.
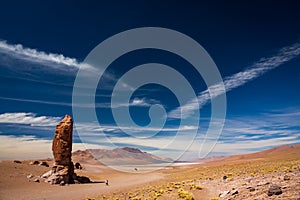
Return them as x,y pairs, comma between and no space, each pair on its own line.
118,156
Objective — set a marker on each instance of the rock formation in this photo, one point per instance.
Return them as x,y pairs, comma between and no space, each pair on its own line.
62,142
63,170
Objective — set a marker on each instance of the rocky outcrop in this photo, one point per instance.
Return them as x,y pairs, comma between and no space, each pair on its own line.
62,142
60,173
63,170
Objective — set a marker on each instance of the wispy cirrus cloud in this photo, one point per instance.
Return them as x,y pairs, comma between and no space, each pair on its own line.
236,80
246,134
136,102
240,135
28,118
40,57
34,119
28,64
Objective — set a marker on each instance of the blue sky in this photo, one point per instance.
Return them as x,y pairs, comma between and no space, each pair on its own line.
255,46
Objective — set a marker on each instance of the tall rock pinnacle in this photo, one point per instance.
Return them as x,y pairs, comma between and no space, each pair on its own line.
63,170
62,142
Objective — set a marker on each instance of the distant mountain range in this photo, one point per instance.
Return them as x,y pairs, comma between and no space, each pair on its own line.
118,156
134,156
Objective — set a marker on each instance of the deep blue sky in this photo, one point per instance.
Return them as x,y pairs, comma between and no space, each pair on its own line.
236,35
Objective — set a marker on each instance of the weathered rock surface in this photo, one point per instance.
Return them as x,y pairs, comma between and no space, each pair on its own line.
36,180
29,176
44,163
286,178
235,192
34,162
60,173
274,190
63,170
78,166
224,193
62,142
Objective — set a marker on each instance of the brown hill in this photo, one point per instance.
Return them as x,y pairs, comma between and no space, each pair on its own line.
286,152
118,156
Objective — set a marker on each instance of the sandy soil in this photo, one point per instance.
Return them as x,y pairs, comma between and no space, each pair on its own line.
259,171
14,183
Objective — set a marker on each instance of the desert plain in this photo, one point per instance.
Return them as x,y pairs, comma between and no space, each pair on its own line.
271,174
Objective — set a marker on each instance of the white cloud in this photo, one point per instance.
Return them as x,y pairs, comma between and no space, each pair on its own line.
90,128
28,118
252,133
236,80
34,55
95,129
139,102
143,102
240,135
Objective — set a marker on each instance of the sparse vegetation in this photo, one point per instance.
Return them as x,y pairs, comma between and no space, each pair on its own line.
185,194
187,184
250,177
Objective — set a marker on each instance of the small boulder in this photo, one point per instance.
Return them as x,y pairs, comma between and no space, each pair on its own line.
34,162
44,163
274,190
263,183
47,174
286,178
62,183
77,166
30,176
251,189
17,161
36,180
224,178
224,193
235,192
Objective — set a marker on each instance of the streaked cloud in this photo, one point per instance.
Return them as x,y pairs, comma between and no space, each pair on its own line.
33,119
41,57
29,119
242,134
138,102
236,80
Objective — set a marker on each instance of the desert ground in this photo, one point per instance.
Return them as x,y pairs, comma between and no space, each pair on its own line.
250,176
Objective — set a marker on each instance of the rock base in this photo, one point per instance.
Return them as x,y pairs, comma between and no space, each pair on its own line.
62,175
